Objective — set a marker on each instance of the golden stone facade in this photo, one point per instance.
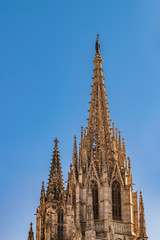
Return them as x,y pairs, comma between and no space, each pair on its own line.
99,202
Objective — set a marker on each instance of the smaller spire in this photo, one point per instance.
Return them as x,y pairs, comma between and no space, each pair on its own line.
75,158
42,199
30,233
124,153
123,146
119,142
55,187
117,138
80,155
142,225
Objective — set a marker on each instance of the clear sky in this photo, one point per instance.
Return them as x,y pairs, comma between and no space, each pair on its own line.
46,62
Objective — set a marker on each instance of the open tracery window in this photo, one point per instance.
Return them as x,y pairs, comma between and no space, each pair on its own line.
60,224
116,201
94,187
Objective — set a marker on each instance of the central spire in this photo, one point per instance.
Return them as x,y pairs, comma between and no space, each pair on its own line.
99,130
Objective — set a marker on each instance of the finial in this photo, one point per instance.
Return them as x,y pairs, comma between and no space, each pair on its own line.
119,139
56,141
97,46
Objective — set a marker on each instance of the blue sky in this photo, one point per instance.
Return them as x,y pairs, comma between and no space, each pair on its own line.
46,62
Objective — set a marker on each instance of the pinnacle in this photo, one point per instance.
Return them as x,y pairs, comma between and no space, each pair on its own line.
142,230
55,181
31,227
75,158
30,233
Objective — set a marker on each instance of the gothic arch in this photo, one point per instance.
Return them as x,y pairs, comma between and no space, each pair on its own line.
95,197
116,175
92,175
116,201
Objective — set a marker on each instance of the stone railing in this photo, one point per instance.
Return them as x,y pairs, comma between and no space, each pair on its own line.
98,226
118,227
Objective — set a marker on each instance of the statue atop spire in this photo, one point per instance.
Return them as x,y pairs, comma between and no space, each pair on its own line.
97,46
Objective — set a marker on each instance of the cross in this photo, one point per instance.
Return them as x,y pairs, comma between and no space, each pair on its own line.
98,35
56,141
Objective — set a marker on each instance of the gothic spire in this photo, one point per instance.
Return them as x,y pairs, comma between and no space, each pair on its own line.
75,158
30,233
42,199
99,129
124,153
142,225
55,182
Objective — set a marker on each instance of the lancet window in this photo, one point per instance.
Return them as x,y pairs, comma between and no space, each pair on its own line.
60,225
94,187
116,201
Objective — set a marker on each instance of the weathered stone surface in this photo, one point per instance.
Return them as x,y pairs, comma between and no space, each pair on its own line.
99,202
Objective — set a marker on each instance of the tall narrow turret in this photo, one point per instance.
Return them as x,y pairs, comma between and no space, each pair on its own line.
42,199
75,157
30,233
142,224
55,188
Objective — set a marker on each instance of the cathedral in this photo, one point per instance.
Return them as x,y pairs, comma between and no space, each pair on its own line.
99,201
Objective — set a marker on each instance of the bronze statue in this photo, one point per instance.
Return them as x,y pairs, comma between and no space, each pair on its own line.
97,46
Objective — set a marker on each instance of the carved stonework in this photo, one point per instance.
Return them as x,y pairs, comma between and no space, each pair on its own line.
98,202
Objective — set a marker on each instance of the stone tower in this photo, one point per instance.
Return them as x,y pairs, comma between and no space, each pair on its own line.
99,202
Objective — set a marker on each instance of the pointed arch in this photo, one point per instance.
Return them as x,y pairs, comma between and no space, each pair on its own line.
60,224
94,188
116,201
116,174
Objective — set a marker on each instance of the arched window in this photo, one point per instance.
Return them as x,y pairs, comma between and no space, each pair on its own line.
94,187
116,201
60,224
